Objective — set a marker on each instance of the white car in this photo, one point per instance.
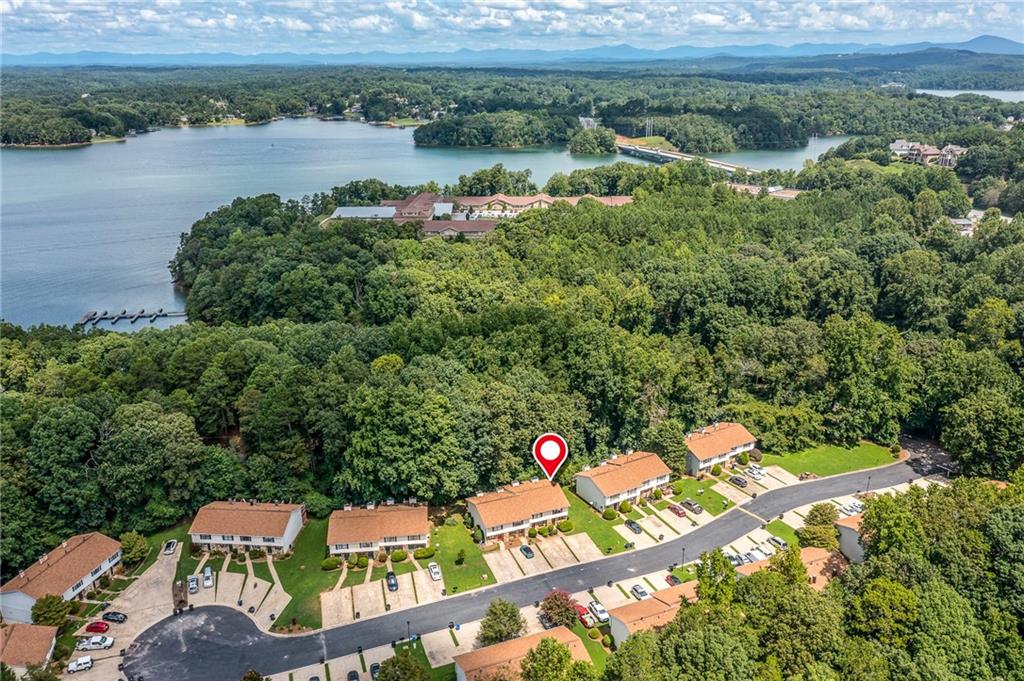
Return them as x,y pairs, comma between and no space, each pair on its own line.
80,665
759,553
193,584
756,467
755,473
207,577
170,546
640,592
435,571
598,611
95,643
779,542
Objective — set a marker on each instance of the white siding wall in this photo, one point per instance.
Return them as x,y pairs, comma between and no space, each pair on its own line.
619,631
17,607
694,465
586,488
292,529
411,542
552,516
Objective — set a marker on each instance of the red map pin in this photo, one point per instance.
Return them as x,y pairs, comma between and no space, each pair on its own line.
550,451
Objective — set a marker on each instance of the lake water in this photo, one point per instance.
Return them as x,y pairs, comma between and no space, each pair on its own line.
94,228
1004,95
784,159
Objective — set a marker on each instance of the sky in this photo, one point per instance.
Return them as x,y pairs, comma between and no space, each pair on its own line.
260,26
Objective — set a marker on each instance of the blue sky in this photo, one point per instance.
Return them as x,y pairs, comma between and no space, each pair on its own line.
251,26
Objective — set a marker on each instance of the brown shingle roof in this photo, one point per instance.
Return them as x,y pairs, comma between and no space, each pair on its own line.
463,226
718,439
372,525
517,503
853,522
506,657
61,568
541,199
242,518
25,644
656,611
626,472
821,566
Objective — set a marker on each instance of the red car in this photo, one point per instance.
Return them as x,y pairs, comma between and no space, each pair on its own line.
677,510
97,627
586,618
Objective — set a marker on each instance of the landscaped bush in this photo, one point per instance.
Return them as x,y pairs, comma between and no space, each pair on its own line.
256,554
425,552
104,582
716,470
460,557
545,531
317,505
657,494
92,594
593,633
677,487
743,458
331,563
363,562
756,455
399,555
532,532
625,507
894,448
609,514
606,640
565,526
453,520
478,535
382,557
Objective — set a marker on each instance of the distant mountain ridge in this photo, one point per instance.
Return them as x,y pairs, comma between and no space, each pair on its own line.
986,44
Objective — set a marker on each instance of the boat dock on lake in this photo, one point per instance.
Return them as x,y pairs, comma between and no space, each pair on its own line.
93,317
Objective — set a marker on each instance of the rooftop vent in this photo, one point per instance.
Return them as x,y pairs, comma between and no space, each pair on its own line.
389,502
347,507
370,506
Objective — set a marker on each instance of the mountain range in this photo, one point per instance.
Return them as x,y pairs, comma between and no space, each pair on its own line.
986,44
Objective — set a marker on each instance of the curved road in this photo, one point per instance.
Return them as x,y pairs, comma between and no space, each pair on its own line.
215,643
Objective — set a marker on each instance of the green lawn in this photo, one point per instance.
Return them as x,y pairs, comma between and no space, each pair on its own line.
443,673
186,563
783,531
405,121
598,655
703,493
473,573
601,532
238,568
685,574
830,459
353,577
379,571
302,577
261,571
403,567
661,504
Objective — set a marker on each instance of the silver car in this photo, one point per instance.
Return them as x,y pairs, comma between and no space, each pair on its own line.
640,592
435,571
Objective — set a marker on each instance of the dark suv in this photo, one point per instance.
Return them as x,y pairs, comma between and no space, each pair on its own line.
739,481
392,581
693,507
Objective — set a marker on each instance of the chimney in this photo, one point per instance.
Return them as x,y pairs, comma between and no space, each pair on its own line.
515,483
586,468
370,506
479,494
22,574
389,502
42,558
613,457
412,501
628,452
347,507
64,545
534,479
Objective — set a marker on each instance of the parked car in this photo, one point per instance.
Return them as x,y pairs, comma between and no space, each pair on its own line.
435,571
734,560
170,546
693,507
207,577
193,584
314,678
744,559
676,509
375,670
672,580
545,621
97,627
584,616
95,643
115,616
758,554
857,506
80,665
756,467
392,581
599,612
755,474
640,592
352,676
778,542
766,549
526,551
634,527
739,481
751,557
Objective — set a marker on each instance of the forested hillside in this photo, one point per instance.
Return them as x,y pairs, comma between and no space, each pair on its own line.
356,361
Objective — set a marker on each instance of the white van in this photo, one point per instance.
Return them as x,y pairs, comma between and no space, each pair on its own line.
95,643
80,665
207,577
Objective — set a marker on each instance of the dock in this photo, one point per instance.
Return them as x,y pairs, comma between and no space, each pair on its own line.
93,317
662,156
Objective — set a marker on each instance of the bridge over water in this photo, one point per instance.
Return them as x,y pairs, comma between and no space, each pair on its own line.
662,156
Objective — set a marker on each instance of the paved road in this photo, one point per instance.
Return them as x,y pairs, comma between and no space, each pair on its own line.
217,643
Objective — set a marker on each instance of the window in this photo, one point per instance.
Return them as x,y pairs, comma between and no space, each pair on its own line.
228,537
365,545
114,558
96,571
205,537
244,538
341,547
78,586
390,540
535,516
269,540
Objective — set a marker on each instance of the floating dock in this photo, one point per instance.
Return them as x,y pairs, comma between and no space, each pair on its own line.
93,317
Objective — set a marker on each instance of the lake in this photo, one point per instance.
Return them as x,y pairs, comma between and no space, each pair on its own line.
1004,95
93,228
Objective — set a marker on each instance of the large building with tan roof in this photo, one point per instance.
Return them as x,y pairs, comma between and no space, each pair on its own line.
69,571
514,509
651,613
229,525
505,658
821,565
507,206
626,477
849,537
372,529
716,444
24,645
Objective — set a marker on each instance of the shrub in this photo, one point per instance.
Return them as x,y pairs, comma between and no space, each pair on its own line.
331,563
609,514
256,554
425,552
677,487
133,548
743,458
460,557
593,633
353,560
547,531
478,535
92,594
895,448
532,532
625,507
756,455
382,557
716,470
399,555
317,505
606,640
104,582
363,562
657,494
565,526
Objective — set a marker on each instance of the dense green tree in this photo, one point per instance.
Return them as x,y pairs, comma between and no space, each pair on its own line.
52,611
502,622
133,547
716,578
402,667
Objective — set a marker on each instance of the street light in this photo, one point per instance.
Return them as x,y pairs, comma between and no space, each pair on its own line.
408,630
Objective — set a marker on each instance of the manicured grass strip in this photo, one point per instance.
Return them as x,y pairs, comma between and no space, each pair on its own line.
685,574
403,567
598,655
601,532
378,572
626,593
445,673
455,639
783,531
473,572
661,504
236,567
701,491
831,460
353,577
653,588
327,673
635,514
186,563
302,577
262,571
362,662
